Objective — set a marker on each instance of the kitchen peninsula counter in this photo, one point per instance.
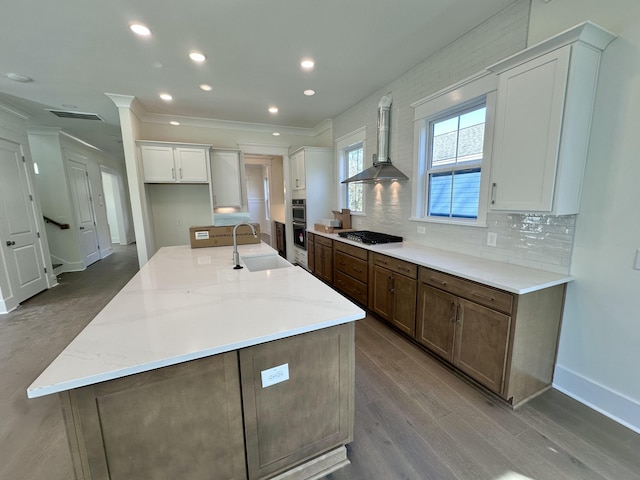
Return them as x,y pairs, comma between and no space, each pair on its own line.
197,370
505,276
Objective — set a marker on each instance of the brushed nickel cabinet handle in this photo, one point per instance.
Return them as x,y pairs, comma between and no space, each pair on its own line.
173,173
485,297
452,316
494,186
436,280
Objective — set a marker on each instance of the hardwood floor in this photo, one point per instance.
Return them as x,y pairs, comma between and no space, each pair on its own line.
415,419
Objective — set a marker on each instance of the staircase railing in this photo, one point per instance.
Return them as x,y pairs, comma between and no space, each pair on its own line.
62,226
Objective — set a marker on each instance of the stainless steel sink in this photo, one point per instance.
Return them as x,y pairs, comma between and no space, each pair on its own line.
264,262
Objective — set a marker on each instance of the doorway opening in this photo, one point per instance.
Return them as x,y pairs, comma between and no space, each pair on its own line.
114,205
264,177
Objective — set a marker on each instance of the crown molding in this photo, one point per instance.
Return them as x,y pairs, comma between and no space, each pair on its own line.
15,111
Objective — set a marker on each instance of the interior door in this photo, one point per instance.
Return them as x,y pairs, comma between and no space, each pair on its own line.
81,194
18,228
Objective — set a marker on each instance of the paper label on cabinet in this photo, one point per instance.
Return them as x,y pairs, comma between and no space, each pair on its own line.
275,375
202,235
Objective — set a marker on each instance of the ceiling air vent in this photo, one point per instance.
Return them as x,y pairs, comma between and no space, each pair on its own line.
76,115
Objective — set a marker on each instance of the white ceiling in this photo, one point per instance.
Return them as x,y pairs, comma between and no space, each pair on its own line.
77,50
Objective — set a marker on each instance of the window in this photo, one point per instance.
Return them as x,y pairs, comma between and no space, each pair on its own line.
455,156
453,131
354,160
350,150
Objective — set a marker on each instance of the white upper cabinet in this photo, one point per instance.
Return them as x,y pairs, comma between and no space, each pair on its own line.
298,171
543,122
226,178
171,163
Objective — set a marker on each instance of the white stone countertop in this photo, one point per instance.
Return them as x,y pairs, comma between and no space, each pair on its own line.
505,276
186,304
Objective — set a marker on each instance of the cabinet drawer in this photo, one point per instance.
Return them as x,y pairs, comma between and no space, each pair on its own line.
481,294
327,242
399,266
353,267
351,287
357,252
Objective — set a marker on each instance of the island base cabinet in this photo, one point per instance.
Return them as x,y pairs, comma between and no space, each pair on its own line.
307,414
182,421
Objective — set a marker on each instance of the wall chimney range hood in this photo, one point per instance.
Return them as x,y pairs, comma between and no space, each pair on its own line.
382,169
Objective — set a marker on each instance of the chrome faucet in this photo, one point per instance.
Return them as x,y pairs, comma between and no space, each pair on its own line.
236,256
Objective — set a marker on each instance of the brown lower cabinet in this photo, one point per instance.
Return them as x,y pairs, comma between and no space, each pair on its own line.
393,291
212,418
506,342
472,337
323,258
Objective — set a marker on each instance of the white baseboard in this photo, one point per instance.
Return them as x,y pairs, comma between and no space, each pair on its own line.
105,252
614,405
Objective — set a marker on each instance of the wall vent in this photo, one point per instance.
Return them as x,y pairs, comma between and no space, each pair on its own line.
76,115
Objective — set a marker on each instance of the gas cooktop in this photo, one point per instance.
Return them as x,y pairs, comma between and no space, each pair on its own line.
371,238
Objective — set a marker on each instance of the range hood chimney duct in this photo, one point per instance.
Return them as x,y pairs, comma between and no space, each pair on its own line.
382,169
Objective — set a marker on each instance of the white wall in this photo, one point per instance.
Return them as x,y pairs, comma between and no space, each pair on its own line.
600,343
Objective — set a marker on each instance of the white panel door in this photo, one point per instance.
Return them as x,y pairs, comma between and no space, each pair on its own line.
21,245
81,194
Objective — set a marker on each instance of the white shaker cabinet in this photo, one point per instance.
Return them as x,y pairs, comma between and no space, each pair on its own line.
171,163
543,122
298,172
226,178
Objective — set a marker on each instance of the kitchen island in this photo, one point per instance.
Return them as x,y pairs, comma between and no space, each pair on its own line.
196,370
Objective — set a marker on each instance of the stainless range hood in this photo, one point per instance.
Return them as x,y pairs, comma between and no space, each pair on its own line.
382,169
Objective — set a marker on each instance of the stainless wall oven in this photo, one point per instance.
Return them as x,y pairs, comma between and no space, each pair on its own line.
299,210
299,215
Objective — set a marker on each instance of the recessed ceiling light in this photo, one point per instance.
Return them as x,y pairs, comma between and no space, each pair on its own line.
166,97
309,92
273,109
16,77
276,134
206,88
197,56
140,29
173,122
307,64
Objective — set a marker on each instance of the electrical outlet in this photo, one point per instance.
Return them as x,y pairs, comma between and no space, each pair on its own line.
275,375
492,238
359,222
422,230
178,222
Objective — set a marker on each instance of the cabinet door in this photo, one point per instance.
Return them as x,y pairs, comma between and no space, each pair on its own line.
281,240
226,179
482,336
527,133
324,262
436,320
381,294
404,304
182,421
309,413
298,172
311,253
191,164
158,163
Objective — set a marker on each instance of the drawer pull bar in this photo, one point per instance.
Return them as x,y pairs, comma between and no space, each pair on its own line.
441,282
359,270
486,297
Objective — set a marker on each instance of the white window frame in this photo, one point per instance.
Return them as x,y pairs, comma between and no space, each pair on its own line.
458,97
343,143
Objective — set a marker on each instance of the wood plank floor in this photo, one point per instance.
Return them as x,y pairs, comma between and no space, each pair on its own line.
415,419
